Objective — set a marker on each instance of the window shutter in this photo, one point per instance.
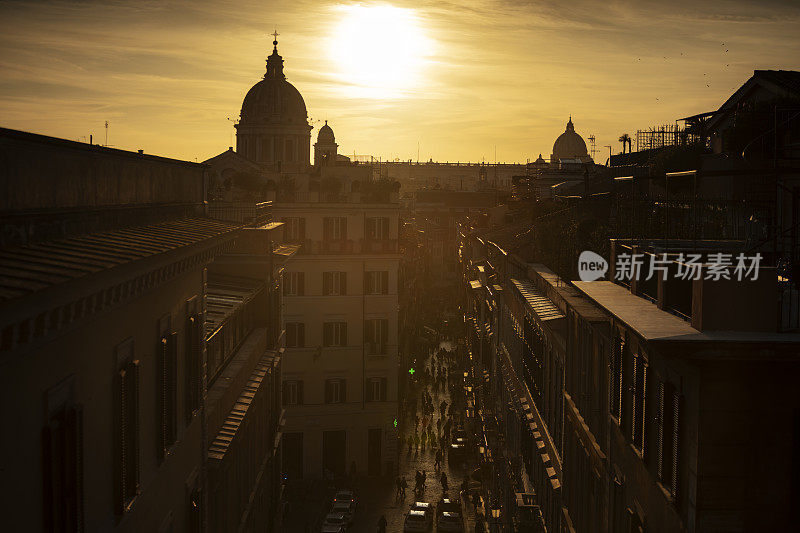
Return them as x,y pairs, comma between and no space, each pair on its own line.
643,410
367,390
328,391
172,389
343,340
163,355
326,283
284,280
384,282
327,228
301,283
383,389
619,380
676,405
134,413
660,429
633,391
302,224
120,401
343,390
285,394
300,393
78,466
384,335
344,228
343,283
285,230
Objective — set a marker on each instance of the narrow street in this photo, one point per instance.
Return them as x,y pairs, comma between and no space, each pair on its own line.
378,496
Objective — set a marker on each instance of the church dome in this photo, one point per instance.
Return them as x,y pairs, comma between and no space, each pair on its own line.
273,99
569,145
325,135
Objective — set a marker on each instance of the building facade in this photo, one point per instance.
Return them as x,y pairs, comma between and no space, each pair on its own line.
109,287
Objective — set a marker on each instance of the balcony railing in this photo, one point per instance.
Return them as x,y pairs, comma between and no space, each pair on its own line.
378,245
347,246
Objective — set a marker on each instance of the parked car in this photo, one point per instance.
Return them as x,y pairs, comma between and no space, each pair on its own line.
418,520
449,515
345,507
335,520
423,506
333,529
345,495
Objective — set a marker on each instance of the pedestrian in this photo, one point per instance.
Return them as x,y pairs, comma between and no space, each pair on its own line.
399,487
438,462
382,524
443,480
403,487
424,478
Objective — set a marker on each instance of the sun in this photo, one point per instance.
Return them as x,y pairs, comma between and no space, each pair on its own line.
379,51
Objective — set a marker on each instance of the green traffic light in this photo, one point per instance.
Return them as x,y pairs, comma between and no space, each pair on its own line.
411,371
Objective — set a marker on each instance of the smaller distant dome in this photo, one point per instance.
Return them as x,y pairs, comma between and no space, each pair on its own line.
325,135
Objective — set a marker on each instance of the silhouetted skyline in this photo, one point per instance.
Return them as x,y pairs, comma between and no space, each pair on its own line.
458,79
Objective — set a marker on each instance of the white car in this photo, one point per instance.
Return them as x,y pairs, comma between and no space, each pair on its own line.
450,522
335,520
417,520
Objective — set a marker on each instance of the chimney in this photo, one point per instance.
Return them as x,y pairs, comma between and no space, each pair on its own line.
90,138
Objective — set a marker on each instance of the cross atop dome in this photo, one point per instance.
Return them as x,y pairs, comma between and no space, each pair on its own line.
275,61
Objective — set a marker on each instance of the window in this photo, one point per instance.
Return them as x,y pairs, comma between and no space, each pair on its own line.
334,283
294,284
335,391
669,403
167,392
295,335
292,392
376,282
639,398
376,389
62,466
334,334
334,228
193,358
376,335
126,428
615,379
377,228
294,229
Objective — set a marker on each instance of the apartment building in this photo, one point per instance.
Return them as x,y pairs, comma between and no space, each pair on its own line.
111,293
340,306
637,407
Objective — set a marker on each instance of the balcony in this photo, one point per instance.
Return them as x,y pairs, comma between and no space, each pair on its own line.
255,213
338,246
385,246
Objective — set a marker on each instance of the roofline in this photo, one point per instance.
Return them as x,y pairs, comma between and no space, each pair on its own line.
66,143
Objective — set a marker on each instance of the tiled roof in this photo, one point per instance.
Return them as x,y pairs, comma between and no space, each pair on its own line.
34,267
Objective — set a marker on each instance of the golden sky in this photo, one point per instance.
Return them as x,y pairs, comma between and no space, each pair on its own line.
459,79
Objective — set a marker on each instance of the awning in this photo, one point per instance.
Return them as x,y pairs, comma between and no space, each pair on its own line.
540,304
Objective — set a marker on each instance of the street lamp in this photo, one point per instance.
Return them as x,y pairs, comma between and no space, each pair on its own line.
496,514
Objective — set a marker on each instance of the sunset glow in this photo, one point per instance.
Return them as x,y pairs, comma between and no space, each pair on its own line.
379,51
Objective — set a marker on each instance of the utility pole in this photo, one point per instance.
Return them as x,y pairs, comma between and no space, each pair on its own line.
106,144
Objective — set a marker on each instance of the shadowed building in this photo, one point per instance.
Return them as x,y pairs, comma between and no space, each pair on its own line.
113,281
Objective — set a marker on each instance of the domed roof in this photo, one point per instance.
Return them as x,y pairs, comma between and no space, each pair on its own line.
325,135
274,99
569,145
